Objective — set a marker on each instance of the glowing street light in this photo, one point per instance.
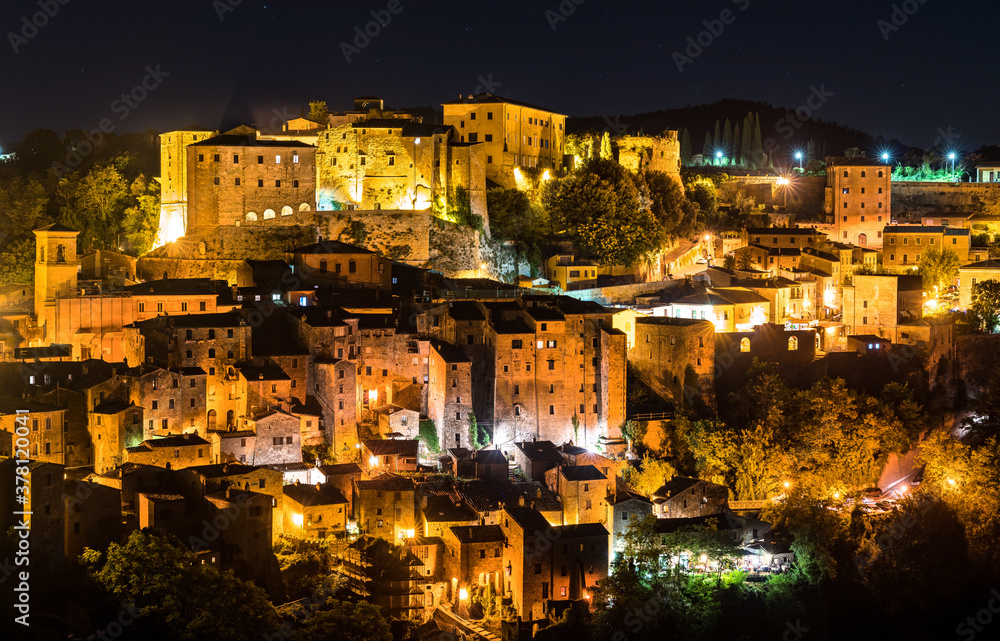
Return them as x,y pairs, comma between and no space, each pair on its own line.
786,485
951,157
718,157
372,461
885,156
798,156
463,594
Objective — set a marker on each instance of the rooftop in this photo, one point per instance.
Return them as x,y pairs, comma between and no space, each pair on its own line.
386,483
313,495
477,533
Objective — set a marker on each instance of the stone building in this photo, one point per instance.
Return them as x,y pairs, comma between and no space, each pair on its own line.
173,452
336,264
235,178
859,196
683,497
45,429
214,342
315,511
174,400
878,304
93,514
46,531
385,507
173,181
624,509
474,555
278,437
449,393
783,237
389,455
536,458
665,348
904,244
512,134
439,513
397,164
582,490
651,153
115,426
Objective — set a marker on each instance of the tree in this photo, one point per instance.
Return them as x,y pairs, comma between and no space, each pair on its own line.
318,112
602,208
984,409
939,267
985,307
177,597
685,147
142,219
650,476
606,147
17,262
716,138
668,205
428,434
706,149
746,143
737,145
478,437
23,206
703,193
345,621
756,144
95,203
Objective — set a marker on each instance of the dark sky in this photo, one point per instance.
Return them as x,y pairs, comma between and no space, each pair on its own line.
267,58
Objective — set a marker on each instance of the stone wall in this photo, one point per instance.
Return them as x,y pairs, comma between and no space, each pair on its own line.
620,294
806,193
911,200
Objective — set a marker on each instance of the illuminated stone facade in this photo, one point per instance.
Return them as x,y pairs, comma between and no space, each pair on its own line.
511,134
905,244
652,153
859,196
664,350
237,179
396,164
173,182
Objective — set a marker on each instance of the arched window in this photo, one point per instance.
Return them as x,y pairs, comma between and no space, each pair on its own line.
862,240
744,344
377,206
60,253
845,173
252,217
863,174
268,213
211,419
304,207
230,419
793,343
880,174
286,211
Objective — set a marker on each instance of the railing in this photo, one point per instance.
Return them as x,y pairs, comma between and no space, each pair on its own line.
652,416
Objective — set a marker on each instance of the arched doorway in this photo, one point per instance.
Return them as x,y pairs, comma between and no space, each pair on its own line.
862,240
230,419
211,419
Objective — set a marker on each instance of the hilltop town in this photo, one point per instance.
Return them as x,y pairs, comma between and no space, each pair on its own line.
347,341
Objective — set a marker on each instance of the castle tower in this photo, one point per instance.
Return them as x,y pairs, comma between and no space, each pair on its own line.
56,267
173,182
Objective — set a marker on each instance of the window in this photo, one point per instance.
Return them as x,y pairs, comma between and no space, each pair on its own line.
215,157
744,344
260,182
277,160
552,365
352,267
277,183
260,160
216,181
516,344
793,343
489,137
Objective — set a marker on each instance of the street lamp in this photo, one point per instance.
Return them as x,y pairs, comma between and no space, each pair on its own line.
718,157
416,141
885,157
951,157
798,156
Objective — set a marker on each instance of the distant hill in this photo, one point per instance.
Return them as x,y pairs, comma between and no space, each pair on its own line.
830,138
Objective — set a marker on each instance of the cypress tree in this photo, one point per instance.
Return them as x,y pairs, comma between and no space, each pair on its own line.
757,145
737,145
717,138
685,147
706,149
746,144
727,142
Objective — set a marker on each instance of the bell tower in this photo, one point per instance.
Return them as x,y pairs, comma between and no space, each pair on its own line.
56,267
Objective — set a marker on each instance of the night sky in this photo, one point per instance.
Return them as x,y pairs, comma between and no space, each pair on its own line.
265,59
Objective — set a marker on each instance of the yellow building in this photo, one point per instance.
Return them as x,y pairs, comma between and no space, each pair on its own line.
570,274
905,244
971,275
731,309
512,134
858,195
